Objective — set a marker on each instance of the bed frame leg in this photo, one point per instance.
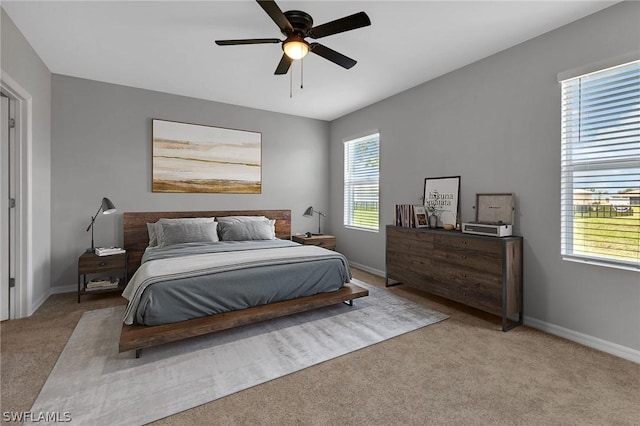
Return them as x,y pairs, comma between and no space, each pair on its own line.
348,302
138,352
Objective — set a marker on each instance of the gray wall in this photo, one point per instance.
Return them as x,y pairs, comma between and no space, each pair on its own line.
23,65
497,124
101,137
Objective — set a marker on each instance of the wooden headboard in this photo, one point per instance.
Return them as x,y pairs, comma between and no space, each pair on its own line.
136,237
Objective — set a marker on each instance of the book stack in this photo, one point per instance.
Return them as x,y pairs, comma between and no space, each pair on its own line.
102,283
108,251
404,216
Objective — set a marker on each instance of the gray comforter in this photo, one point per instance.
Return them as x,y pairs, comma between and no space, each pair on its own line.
192,280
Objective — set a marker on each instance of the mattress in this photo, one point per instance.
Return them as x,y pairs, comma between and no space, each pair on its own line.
192,280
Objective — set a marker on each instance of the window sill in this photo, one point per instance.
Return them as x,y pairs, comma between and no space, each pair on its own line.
356,228
601,262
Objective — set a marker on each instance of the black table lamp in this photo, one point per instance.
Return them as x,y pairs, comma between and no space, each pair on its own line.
309,213
107,207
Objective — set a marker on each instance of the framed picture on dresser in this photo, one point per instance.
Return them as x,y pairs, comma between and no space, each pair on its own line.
420,215
442,198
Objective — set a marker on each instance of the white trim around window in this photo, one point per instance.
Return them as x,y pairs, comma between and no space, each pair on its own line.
362,183
600,176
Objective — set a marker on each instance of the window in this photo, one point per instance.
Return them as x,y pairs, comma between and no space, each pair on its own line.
601,167
361,182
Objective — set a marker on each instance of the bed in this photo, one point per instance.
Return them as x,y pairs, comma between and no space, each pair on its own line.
187,285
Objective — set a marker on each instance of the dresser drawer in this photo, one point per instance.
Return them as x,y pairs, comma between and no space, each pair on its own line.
399,263
486,261
473,295
489,246
408,242
409,246
457,276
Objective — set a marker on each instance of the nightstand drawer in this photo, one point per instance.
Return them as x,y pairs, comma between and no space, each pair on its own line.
325,241
91,263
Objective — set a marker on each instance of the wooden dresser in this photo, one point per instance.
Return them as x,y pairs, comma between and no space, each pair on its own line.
482,272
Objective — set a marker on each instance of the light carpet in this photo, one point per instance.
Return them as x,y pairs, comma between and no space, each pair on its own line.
96,385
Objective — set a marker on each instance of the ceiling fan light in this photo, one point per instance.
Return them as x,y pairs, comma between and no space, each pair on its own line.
296,49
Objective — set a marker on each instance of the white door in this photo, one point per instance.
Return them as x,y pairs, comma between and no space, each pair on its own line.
4,209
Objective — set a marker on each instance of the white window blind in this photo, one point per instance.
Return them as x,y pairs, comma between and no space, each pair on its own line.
601,167
361,182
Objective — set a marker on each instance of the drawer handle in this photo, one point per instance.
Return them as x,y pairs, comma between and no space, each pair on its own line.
464,242
103,263
464,275
463,256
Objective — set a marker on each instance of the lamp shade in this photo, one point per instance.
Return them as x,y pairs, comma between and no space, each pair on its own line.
308,212
107,206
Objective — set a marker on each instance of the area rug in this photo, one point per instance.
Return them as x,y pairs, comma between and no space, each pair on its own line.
93,384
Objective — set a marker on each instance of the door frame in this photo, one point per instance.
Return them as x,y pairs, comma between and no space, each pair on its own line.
23,290
6,191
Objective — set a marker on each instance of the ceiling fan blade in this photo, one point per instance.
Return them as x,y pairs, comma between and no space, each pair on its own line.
357,20
332,55
247,41
276,14
283,66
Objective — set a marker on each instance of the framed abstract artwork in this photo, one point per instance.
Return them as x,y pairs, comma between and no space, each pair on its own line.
198,158
442,198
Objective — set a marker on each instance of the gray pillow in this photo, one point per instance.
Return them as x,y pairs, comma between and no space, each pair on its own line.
238,219
153,239
248,230
155,230
181,232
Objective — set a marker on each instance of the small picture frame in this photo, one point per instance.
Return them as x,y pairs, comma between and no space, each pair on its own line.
442,197
421,218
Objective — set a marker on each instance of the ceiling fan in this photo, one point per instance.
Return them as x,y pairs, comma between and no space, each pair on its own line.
296,26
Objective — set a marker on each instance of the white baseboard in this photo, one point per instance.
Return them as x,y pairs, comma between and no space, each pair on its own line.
37,303
368,269
64,289
53,290
584,339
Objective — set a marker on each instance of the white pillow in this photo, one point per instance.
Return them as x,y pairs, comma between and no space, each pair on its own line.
155,229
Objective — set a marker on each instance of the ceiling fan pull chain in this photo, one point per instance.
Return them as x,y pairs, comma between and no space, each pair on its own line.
301,72
291,84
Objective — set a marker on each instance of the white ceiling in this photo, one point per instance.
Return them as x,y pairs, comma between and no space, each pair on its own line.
168,46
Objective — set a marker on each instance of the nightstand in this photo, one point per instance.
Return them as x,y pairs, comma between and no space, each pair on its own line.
323,240
114,265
